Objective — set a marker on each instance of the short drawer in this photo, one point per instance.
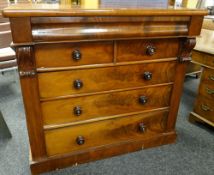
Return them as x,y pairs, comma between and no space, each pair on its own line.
73,54
79,137
205,108
89,107
64,83
139,50
208,76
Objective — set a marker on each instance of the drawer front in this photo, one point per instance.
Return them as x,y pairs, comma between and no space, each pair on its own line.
73,54
202,58
88,107
102,79
138,50
208,76
205,108
105,132
206,88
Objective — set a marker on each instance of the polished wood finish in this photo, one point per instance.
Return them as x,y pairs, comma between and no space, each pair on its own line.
203,55
105,151
61,111
100,82
30,94
107,30
21,27
105,132
207,60
204,105
103,79
60,55
207,86
37,10
205,108
138,49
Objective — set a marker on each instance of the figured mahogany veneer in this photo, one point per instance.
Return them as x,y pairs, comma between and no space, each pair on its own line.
100,82
105,132
138,50
62,55
62,83
99,105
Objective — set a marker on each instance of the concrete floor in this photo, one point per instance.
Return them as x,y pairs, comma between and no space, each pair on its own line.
193,154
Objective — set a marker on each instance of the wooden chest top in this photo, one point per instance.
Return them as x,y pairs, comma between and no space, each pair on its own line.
32,23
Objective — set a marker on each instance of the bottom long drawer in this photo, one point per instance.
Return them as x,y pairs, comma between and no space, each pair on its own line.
78,137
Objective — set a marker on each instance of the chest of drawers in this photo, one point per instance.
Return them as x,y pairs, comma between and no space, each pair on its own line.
204,104
102,82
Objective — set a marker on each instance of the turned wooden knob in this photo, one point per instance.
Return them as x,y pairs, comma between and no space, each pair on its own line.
150,50
77,110
76,55
143,100
142,127
80,140
147,75
78,84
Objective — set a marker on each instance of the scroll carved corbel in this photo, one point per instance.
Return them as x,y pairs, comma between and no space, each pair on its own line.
26,61
186,48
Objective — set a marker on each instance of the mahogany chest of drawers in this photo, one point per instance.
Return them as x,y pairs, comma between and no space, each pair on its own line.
102,82
204,105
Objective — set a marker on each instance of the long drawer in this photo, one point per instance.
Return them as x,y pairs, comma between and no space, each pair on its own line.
64,83
73,54
88,107
68,139
138,50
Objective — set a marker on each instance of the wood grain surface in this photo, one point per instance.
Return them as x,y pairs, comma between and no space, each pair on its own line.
105,132
102,79
205,108
136,50
206,88
60,55
62,111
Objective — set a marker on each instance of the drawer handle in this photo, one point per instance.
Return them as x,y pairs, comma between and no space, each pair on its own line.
143,100
211,77
210,91
76,54
142,127
150,50
206,108
78,84
80,140
147,75
77,110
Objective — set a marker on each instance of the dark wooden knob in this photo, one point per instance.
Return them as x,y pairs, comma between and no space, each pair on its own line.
150,50
80,140
142,127
76,54
143,100
78,84
147,75
77,111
